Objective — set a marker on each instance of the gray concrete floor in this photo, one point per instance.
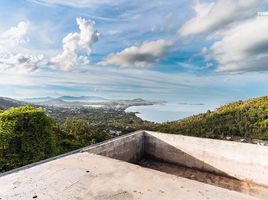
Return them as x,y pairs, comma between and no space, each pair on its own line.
84,176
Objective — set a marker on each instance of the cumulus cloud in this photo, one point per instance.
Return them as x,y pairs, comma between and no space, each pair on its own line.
11,42
14,36
144,55
74,42
20,61
217,15
243,47
242,40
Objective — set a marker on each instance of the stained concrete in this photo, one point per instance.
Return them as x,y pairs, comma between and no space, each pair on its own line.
83,175
238,160
227,182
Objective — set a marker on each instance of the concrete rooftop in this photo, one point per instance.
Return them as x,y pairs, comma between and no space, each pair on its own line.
84,175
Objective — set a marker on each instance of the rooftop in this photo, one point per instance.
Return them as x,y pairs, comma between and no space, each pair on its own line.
146,165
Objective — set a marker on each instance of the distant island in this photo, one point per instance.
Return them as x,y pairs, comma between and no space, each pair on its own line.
194,104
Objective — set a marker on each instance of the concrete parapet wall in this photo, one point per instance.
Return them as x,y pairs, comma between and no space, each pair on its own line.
246,162
242,161
127,148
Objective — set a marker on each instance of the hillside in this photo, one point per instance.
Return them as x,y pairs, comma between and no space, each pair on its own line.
245,119
6,103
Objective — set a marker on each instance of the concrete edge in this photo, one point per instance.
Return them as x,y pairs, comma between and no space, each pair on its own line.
208,139
86,149
82,150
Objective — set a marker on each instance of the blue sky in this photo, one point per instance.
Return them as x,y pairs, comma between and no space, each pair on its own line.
176,50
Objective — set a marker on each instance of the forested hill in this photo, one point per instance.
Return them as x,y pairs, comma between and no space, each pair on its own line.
247,119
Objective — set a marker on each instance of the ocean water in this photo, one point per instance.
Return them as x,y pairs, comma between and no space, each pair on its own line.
168,111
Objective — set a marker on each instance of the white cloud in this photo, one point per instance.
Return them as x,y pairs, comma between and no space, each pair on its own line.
217,15
74,42
133,83
144,55
242,35
243,47
14,36
19,62
76,3
11,43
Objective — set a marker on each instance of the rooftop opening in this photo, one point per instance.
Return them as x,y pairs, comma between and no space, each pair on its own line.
224,164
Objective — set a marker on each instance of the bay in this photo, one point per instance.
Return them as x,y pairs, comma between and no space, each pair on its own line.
168,111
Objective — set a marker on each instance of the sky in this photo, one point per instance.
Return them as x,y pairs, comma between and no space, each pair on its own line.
176,50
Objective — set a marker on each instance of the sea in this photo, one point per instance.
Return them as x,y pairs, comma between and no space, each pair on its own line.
168,111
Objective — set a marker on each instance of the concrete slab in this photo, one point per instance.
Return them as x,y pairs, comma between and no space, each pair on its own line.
84,176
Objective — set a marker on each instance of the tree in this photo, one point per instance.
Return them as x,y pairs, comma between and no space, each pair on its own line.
25,137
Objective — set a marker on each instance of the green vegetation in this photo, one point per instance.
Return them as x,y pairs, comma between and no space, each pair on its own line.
102,121
93,126
247,119
29,134
75,134
25,137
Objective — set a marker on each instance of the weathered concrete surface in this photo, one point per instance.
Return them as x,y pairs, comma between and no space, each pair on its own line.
246,162
127,148
230,183
84,176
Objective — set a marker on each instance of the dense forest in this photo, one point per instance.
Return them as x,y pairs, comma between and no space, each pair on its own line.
29,134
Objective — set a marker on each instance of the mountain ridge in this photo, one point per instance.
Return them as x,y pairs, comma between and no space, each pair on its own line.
65,98
6,102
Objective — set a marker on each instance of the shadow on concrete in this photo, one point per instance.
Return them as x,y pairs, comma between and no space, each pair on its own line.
164,157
